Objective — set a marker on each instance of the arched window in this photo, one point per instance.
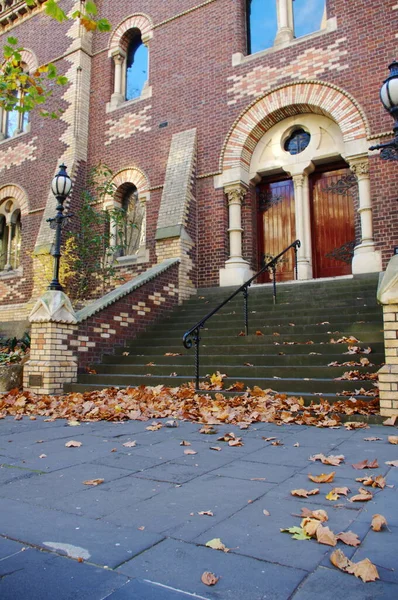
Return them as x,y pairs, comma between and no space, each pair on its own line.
10,235
136,66
308,16
297,141
14,122
132,212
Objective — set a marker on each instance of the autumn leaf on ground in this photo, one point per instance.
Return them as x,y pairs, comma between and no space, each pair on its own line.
296,445
190,452
258,332
268,439
365,464
237,442
332,496
154,427
363,496
323,478
228,437
73,444
372,439
376,482
173,354
328,460
241,334
217,544
364,569
93,481
391,421
238,386
349,538
393,439
277,443
378,521
209,578
324,535
297,533
73,423
150,364
392,463
248,365
355,424
206,513
216,448
43,456
266,513
320,515
130,444
185,443
257,479
310,526
208,429
301,493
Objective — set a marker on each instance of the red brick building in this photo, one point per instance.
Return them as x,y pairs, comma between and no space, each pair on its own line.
230,127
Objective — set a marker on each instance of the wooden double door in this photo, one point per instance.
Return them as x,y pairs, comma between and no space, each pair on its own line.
332,223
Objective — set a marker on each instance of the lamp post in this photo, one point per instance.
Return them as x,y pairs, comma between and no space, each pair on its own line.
389,99
61,187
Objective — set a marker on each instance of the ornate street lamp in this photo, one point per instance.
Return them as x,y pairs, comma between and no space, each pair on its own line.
61,187
389,99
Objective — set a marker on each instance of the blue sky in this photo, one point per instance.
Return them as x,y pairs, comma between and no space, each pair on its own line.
307,18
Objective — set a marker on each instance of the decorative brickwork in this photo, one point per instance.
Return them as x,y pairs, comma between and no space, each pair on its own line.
310,64
136,21
128,124
14,156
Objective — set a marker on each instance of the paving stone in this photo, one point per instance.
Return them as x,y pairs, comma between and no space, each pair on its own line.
171,510
284,455
180,565
251,533
384,502
44,489
9,548
101,543
99,501
244,469
301,481
329,584
35,575
381,548
130,461
172,472
10,473
136,589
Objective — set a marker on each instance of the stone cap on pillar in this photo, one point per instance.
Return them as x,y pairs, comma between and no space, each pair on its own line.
53,307
387,292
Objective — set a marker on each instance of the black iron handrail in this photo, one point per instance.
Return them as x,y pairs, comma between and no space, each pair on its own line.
192,336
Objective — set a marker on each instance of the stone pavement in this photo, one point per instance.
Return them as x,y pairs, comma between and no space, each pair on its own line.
138,535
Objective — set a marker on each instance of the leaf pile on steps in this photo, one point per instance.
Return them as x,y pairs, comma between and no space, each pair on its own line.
143,403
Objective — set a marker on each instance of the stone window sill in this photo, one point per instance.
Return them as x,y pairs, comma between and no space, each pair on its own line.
145,94
239,59
16,136
142,256
11,274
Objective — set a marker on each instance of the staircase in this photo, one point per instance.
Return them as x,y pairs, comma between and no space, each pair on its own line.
290,353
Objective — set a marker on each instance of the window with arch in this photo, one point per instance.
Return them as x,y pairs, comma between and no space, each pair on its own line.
280,21
136,66
10,235
127,222
14,122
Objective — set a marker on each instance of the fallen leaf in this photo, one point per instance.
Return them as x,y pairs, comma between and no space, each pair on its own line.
217,544
93,481
296,445
355,424
392,463
365,464
310,526
298,533
391,421
332,496
73,423
185,443
73,444
154,427
372,439
248,364
141,528
320,515
268,439
150,364
209,578
364,570
257,479
325,536
190,452
376,482
342,491
130,444
206,513
237,442
349,538
363,496
266,513
328,460
216,448
258,332
43,456
339,560
323,478
378,521
208,429
393,439
304,493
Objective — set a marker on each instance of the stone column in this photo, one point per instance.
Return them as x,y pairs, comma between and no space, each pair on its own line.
303,225
237,270
387,295
8,265
366,258
285,33
117,96
52,363
2,125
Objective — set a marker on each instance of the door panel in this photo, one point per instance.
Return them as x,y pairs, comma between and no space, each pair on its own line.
333,230
277,226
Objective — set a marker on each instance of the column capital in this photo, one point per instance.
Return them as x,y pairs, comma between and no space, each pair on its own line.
235,193
298,180
360,167
118,56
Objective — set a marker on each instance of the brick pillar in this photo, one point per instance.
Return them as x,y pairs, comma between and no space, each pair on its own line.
52,363
387,295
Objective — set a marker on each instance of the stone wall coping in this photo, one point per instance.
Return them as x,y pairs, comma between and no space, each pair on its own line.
387,292
125,289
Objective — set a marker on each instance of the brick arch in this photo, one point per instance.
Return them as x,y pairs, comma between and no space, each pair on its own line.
131,175
137,21
19,194
29,58
285,101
